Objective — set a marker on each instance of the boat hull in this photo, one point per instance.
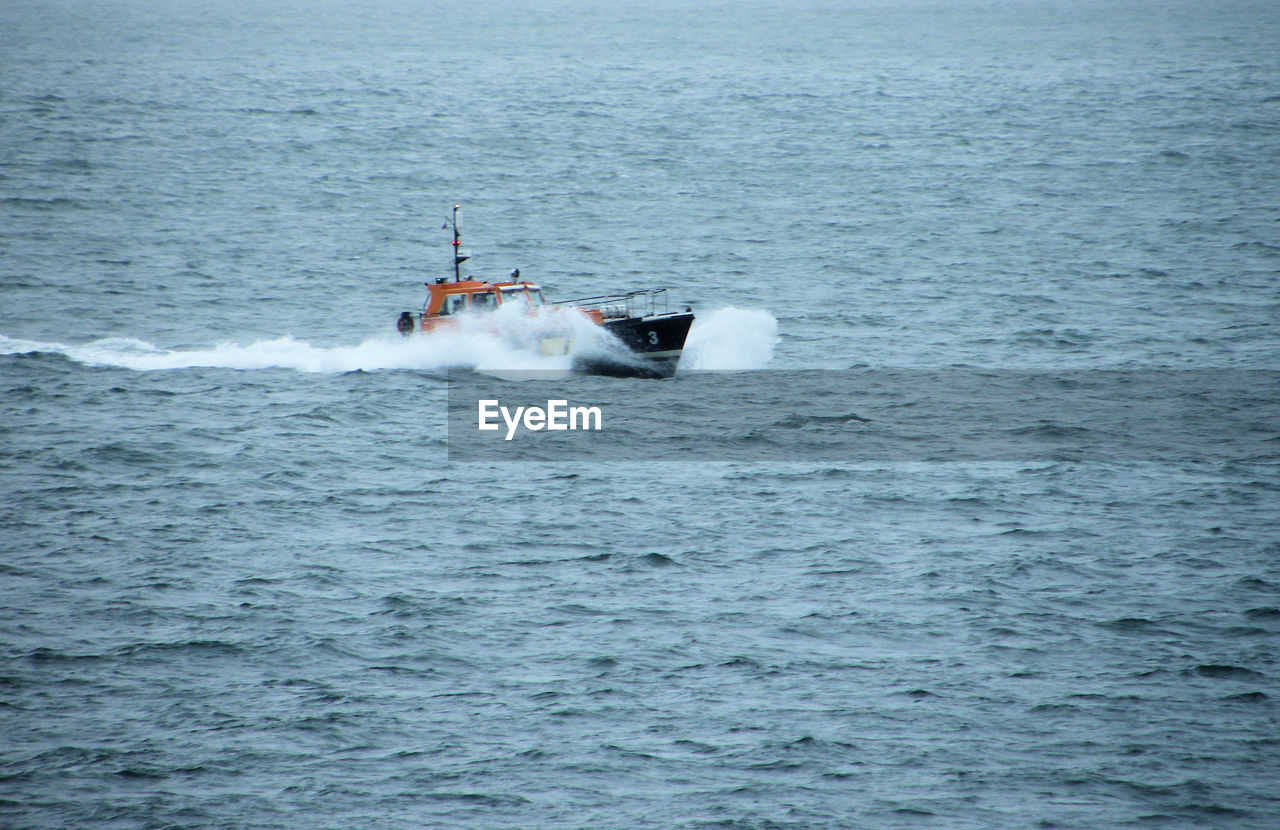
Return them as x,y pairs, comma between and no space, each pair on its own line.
654,344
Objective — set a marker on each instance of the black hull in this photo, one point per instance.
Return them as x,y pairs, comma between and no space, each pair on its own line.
655,344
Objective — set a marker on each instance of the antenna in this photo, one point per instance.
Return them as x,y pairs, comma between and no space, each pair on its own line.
458,257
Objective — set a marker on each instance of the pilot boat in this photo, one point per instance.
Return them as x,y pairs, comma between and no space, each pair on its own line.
650,336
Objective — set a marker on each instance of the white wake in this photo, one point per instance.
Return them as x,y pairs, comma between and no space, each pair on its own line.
726,339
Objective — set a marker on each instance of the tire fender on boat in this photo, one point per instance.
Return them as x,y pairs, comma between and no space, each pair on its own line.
405,324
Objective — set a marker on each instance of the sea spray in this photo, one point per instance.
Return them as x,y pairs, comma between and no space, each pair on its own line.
498,341
730,339
722,340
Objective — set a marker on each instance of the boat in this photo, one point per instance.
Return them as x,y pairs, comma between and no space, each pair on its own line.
647,337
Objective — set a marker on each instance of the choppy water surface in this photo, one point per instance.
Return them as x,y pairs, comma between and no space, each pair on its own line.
243,585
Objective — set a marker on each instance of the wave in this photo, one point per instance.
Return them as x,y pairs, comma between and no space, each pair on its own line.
723,340
730,339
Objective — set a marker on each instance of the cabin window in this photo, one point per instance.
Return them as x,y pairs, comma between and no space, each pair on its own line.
514,295
535,296
483,300
454,304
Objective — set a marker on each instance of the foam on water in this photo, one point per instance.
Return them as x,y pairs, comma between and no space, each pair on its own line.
427,353
730,339
725,339
503,340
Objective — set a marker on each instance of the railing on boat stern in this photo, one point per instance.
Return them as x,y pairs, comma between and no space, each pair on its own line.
641,303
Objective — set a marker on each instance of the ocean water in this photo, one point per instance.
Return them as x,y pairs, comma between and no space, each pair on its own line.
243,584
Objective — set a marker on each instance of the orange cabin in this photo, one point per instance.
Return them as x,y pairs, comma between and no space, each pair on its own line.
446,299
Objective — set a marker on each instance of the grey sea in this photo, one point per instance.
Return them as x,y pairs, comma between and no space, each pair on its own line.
256,571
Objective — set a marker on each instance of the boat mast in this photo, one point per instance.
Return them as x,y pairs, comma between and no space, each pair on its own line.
458,257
